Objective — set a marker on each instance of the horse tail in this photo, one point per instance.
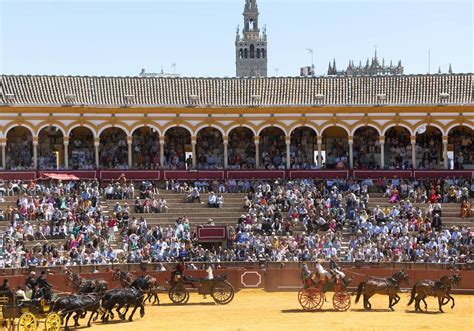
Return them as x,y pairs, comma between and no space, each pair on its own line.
413,293
360,288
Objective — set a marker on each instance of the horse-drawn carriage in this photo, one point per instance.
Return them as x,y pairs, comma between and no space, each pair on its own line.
219,288
313,294
29,315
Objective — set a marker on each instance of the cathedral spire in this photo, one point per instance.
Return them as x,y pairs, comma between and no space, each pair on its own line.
251,48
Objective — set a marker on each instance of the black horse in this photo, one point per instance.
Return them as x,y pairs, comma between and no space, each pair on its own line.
78,305
119,298
148,285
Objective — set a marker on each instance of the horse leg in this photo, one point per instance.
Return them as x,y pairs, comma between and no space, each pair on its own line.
440,303
390,302
452,298
90,318
67,320
417,303
142,310
367,302
397,298
76,318
133,312
121,315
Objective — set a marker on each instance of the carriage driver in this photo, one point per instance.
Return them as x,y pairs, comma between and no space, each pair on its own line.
305,272
30,281
44,286
335,268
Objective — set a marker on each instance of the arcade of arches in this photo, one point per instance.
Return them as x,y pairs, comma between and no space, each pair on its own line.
271,148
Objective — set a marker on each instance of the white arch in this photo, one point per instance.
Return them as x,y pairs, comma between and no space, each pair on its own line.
394,126
306,125
132,131
431,124
56,126
241,126
365,126
85,125
15,125
455,125
273,125
337,125
190,131
113,126
205,126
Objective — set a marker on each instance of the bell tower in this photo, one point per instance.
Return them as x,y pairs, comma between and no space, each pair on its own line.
251,46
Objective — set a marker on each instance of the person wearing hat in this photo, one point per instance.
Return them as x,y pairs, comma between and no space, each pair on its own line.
335,268
30,281
44,286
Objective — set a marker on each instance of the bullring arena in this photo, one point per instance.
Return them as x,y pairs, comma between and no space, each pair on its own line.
338,202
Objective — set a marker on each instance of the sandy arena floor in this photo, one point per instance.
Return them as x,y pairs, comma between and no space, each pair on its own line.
259,310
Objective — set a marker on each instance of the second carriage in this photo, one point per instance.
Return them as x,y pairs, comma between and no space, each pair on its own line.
218,288
313,294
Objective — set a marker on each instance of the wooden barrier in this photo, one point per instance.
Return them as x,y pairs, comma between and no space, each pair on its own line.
270,279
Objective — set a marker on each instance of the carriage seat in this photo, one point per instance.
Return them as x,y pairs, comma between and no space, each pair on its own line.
199,279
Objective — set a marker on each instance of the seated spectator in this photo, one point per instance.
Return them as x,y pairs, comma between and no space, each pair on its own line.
212,200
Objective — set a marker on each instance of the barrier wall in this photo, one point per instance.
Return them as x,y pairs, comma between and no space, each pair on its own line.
269,279
139,175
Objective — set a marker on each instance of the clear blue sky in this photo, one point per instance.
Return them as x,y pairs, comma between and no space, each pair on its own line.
107,37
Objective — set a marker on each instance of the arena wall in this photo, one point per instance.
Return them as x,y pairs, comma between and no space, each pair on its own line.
267,278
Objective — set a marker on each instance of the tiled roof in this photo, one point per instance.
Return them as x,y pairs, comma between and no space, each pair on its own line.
237,92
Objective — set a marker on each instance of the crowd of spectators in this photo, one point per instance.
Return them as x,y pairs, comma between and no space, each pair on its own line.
113,150
146,150
366,149
81,151
19,153
282,221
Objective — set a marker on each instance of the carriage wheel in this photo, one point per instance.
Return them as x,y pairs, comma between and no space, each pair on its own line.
341,301
310,298
27,322
178,295
222,292
52,322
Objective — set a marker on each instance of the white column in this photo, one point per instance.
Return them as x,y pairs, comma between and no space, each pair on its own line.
256,140
4,157
35,152
66,152
226,155
162,151
320,150
129,146
193,144
445,152
351,152
382,152
96,149
288,158
413,151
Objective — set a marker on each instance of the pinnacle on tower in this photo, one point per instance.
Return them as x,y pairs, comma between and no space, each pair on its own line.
450,70
251,47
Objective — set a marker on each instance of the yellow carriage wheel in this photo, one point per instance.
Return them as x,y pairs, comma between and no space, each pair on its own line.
27,322
52,322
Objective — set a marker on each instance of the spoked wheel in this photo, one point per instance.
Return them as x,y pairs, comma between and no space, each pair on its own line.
178,295
222,292
341,301
27,322
52,322
310,299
